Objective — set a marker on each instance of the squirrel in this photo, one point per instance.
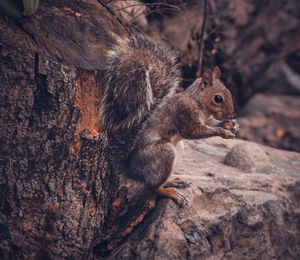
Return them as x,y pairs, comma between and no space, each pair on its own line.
142,111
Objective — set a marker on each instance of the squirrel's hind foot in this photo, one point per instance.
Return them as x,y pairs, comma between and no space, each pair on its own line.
178,197
176,183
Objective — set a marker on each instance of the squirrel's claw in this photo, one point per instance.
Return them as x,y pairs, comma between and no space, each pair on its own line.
178,197
181,199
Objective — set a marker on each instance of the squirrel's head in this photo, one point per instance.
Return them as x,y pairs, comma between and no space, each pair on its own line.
212,95
215,97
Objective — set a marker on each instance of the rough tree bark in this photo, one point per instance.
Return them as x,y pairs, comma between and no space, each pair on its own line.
55,182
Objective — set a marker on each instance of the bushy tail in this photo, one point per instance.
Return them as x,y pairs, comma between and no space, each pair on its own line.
140,73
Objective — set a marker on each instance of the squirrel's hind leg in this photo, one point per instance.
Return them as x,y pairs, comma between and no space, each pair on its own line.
152,165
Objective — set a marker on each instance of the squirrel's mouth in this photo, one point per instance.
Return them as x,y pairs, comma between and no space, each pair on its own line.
221,116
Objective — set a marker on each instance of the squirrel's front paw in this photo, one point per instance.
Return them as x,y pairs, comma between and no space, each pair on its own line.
235,126
231,125
227,134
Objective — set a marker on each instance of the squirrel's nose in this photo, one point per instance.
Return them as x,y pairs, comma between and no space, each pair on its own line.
231,116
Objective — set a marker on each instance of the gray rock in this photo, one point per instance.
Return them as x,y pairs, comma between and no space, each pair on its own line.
232,214
248,157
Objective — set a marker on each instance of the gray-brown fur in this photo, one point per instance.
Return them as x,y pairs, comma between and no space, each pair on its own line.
192,114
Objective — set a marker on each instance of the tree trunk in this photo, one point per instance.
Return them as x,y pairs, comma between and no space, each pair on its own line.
55,182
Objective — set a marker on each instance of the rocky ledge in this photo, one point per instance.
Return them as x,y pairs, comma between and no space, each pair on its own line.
250,210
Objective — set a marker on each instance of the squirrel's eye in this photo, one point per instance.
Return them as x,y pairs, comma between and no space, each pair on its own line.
218,99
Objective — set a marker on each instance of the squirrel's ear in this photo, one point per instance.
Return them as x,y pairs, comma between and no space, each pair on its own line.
217,72
207,77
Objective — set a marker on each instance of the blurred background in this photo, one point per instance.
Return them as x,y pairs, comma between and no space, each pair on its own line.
256,44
